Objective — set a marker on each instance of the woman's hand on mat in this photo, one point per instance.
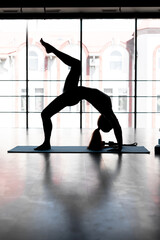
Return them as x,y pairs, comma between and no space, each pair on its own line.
115,150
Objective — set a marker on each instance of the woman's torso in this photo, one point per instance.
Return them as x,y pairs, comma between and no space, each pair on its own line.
98,99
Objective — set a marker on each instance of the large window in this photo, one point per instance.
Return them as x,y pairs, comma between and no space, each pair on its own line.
12,73
148,72
30,78
116,61
109,46
46,73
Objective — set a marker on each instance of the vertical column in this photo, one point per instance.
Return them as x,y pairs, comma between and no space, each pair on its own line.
26,74
81,71
135,91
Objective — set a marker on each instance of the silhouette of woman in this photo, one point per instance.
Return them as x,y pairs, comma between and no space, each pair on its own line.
72,94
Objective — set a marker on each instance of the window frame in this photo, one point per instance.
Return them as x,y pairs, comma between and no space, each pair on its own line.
82,16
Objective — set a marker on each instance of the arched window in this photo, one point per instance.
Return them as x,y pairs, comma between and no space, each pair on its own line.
33,61
115,61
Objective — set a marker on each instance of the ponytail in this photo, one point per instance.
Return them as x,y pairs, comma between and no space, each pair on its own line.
96,141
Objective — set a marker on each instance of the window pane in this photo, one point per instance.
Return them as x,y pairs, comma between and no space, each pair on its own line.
12,67
148,88
12,49
146,120
90,120
145,104
148,68
148,48
109,45
67,120
12,98
65,36
109,62
13,120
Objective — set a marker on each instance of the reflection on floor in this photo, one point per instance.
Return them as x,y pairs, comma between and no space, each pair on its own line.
78,196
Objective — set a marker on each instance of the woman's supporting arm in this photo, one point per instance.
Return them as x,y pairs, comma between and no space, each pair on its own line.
117,129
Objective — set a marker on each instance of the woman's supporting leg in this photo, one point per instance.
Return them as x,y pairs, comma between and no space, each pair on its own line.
54,107
47,127
75,71
68,98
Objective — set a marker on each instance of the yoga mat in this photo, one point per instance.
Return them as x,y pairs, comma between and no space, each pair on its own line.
78,149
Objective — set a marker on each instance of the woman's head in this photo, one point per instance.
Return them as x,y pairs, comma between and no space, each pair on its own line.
96,142
104,124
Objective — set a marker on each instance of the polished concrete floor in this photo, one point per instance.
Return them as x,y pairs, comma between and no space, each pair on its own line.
78,196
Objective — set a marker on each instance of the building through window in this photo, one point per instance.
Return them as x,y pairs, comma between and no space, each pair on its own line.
39,99
116,61
107,51
33,61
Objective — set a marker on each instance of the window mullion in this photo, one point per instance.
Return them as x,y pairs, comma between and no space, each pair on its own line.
135,92
81,125
26,74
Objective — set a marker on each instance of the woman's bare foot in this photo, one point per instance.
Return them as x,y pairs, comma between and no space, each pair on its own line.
47,46
44,146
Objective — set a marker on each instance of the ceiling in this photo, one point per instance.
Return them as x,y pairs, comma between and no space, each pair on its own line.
79,3
79,6
79,9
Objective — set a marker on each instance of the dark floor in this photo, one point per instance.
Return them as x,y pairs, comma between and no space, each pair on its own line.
78,196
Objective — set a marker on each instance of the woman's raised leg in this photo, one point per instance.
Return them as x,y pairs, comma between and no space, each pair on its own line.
73,77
